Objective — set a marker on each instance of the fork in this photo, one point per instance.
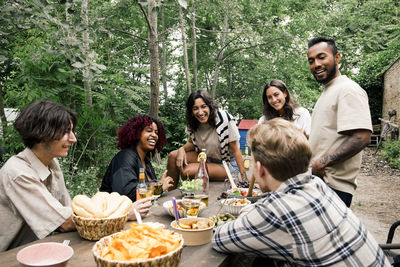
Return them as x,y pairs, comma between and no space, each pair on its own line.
216,216
176,213
138,217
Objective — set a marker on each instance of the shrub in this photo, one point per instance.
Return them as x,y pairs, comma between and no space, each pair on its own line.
391,153
83,181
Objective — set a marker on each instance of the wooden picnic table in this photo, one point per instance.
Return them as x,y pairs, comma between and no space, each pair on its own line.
191,256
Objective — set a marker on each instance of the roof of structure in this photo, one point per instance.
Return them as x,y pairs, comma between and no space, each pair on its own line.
246,124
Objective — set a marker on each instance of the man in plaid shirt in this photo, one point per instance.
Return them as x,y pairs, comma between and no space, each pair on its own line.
301,221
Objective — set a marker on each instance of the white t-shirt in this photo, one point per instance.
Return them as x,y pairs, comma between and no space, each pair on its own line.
342,106
302,119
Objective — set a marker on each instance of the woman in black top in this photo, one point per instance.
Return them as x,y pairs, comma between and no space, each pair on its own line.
137,139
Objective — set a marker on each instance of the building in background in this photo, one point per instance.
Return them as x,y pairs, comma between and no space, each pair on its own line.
244,127
391,91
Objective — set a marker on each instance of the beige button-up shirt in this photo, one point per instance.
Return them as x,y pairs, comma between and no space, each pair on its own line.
34,200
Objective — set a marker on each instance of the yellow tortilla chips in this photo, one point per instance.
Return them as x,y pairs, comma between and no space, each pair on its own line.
141,242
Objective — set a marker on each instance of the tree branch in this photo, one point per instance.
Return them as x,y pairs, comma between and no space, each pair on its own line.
248,47
227,43
145,16
205,30
84,149
128,33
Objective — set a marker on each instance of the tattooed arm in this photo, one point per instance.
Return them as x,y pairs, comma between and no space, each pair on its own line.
355,142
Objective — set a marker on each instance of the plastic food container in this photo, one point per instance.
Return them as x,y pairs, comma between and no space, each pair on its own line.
194,237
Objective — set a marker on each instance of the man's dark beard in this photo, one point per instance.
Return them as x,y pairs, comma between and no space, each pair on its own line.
329,77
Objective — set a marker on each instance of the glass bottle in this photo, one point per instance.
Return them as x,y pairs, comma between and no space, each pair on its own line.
203,154
202,174
142,189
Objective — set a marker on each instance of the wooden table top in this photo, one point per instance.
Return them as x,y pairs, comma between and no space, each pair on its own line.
191,256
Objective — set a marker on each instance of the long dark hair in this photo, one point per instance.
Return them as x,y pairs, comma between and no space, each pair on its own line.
129,133
191,122
44,121
290,104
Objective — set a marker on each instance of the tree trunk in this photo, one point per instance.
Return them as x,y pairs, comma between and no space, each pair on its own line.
3,123
154,57
230,79
69,6
87,75
220,54
196,85
3,118
208,81
164,54
185,55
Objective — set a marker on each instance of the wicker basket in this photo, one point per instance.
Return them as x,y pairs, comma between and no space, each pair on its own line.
171,259
96,228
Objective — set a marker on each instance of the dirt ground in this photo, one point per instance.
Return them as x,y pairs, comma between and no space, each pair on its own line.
377,198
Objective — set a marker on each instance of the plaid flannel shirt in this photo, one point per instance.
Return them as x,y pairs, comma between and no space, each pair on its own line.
304,223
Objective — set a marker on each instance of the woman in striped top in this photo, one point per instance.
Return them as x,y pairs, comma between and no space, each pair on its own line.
208,128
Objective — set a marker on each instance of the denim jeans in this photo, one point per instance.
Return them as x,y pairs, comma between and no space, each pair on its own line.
233,167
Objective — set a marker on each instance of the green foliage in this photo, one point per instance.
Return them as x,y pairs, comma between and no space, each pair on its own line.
160,168
172,115
391,153
369,77
42,55
81,181
11,142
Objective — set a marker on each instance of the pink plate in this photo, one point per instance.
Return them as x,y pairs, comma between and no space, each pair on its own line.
45,254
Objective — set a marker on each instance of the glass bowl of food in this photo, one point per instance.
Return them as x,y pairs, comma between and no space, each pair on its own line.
168,206
242,193
191,186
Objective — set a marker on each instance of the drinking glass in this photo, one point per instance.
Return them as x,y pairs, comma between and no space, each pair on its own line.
157,191
145,193
203,198
148,192
191,205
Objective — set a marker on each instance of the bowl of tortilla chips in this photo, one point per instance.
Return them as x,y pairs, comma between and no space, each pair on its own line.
143,245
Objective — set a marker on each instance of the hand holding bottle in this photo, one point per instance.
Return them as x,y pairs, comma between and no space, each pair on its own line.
143,190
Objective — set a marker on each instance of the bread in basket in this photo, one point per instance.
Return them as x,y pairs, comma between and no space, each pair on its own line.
101,215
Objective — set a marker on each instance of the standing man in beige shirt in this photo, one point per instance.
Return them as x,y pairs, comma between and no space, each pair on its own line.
34,200
341,121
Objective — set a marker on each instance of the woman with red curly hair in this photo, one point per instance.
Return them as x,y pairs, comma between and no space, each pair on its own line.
137,139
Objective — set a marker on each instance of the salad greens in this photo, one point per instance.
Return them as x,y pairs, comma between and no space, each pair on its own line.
190,185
